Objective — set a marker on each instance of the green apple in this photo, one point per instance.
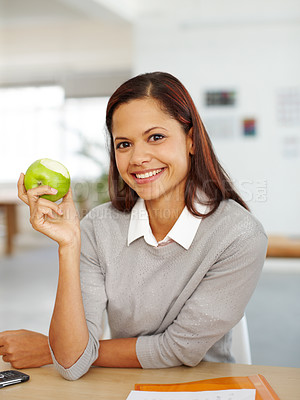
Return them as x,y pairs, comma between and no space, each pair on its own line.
48,172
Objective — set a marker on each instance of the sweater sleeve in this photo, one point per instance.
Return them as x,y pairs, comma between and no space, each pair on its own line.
94,300
214,308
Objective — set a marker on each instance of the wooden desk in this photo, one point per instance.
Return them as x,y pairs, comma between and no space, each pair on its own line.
116,383
282,246
9,203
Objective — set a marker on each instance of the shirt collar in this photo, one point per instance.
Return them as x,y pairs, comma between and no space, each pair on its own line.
183,232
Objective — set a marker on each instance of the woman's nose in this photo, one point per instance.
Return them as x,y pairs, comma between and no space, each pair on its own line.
140,154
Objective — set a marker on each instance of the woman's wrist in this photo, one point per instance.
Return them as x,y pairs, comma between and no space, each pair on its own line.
72,245
69,256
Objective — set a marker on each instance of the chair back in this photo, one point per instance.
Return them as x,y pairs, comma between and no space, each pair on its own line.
240,347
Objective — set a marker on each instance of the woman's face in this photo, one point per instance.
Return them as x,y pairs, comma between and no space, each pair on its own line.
152,150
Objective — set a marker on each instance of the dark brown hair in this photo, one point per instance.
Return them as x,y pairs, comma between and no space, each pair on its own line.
205,173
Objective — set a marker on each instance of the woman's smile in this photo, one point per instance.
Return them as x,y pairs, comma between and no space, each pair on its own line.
147,176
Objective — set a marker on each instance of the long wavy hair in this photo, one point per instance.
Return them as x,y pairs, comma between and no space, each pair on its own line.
205,172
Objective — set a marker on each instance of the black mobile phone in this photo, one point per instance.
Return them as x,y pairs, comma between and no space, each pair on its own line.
12,377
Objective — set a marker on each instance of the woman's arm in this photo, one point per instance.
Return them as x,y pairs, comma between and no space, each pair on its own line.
118,353
68,335
69,329
28,349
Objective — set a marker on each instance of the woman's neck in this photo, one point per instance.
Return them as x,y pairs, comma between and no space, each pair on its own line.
163,216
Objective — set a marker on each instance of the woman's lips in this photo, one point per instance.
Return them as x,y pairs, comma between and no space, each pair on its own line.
148,176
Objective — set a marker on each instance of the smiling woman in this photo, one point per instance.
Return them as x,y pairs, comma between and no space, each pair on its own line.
162,96
173,258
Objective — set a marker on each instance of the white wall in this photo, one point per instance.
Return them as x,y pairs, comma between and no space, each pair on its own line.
253,48
77,44
55,51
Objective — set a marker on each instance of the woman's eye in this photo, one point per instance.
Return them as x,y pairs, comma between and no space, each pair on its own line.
156,137
122,145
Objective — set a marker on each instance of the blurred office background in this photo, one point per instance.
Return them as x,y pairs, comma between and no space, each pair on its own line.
60,60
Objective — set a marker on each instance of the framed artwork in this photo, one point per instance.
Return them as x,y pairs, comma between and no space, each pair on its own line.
249,127
220,98
288,106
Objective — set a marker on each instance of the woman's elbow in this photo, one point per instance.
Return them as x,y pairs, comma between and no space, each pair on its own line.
190,358
191,361
71,372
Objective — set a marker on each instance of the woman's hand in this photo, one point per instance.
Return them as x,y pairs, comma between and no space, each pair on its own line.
24,349
59,222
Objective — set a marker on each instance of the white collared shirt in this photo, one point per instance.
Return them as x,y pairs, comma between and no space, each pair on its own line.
183,231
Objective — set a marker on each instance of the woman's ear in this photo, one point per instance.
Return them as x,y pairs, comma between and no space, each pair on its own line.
191,146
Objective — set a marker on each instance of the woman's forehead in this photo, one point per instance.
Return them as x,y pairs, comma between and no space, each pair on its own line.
137,113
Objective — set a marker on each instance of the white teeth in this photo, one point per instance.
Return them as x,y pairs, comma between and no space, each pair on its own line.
148,174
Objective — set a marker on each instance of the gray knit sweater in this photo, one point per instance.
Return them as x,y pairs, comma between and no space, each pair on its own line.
181,304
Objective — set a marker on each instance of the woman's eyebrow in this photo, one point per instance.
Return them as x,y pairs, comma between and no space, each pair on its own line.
154,127
120,138
144,133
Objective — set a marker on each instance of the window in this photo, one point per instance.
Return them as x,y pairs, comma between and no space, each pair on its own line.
38,122
85,138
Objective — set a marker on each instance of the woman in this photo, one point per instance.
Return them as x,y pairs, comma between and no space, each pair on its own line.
173,258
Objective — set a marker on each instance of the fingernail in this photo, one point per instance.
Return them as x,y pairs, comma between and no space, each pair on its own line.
53,190
60,212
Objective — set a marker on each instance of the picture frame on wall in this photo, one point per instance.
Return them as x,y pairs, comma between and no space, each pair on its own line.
220,98
249,127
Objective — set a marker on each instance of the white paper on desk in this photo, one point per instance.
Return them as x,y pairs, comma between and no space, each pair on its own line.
234,394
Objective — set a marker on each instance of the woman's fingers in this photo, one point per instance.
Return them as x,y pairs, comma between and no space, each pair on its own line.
40,208
45,207
42,212
68,198
34,194
24,349
35,200
22,194
59,222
